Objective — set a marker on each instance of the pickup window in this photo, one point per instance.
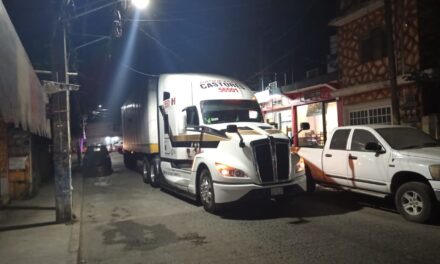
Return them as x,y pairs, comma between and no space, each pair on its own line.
339,139
406,138
361,138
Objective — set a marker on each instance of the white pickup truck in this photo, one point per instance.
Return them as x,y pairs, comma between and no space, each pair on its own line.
380,160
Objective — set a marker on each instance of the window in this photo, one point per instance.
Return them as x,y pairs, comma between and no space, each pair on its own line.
361,138
374,46
227,111
381,115
192,117
313,114
339,139
407,138
277,102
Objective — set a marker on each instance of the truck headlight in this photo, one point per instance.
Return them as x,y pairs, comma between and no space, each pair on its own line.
228,171
300,166
435,171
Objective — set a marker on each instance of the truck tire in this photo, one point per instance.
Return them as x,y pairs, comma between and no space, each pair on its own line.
414,201
310,182
155,173
146,171
206,192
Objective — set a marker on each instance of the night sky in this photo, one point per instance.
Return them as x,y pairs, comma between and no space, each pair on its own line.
237,38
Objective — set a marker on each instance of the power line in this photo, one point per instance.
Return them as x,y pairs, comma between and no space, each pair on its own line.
89,5
153,20
139,72
158,42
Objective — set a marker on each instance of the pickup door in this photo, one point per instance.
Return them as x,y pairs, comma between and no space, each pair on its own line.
335,158
367,169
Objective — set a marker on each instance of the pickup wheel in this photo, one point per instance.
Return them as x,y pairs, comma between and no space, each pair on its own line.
156,173
146,171
414,201
206,192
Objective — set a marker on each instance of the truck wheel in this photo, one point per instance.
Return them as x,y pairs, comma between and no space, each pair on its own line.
155,173
310,182
414,201
206,192
146,171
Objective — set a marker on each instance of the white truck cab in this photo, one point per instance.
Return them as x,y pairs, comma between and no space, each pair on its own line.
380,160
214,145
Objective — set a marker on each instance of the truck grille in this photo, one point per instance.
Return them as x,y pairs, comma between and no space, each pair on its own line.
271,158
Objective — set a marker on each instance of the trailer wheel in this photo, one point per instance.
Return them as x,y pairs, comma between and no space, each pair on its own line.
414,201
146,171
206,192
155,173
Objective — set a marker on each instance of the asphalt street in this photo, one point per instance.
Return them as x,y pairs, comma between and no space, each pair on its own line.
127,221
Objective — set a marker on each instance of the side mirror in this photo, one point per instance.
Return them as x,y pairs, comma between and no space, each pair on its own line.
304,126
373,146
232,129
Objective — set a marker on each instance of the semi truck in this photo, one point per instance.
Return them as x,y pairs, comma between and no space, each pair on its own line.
381,160
203,136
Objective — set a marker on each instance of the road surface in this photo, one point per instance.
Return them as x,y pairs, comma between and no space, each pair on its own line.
127,221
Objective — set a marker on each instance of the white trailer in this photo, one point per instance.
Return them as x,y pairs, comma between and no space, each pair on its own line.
203,136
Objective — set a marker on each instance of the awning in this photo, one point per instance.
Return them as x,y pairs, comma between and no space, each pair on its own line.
22,98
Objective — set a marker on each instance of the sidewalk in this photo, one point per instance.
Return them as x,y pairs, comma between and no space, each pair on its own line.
29,233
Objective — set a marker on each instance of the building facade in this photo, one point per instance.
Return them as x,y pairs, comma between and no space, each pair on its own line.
363,61
312,102
277,110
24,126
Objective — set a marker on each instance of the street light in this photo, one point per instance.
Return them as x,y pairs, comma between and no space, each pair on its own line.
140,4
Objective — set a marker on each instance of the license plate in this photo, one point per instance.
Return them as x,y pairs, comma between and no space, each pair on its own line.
276,191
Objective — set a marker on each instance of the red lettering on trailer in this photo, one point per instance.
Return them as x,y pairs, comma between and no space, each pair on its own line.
228,90
169,102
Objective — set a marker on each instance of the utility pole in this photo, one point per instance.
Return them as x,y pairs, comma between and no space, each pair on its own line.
392,63
60,107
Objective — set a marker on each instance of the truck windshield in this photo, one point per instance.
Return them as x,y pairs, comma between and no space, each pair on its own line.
228,111
406,138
